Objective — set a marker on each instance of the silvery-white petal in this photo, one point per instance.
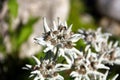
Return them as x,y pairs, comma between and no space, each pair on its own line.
29,66
87,47
45,26
102,66
35,72
55,27
97,48
69,29
74,74
36,60
110,45
80,31
75,37
65,24
89,54
61,67
26,68
59,77
36,78
96,73
59,22
117,61
50,47
87,78
105,76
31,75
77,51
115,77
115,44
78,78
70,62
39,78
99,30
40,41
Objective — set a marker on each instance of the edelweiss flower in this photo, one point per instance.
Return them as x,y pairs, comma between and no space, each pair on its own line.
47,69
60,39
109,52
80,73
86,67
112,54
95,38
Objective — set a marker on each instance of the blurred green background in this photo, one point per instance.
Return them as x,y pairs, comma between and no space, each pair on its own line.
83,14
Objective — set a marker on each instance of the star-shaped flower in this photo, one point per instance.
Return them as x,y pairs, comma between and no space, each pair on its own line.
59,39
46,69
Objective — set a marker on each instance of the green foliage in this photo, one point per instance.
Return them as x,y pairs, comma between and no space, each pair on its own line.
13,7
74,14
77,9
26,31
22,33
2,46
40,55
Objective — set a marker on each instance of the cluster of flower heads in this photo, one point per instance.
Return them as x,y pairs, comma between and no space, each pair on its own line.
59,41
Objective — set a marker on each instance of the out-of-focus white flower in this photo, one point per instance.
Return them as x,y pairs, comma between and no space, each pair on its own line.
87,66
47,69
95,38
113,56
109,52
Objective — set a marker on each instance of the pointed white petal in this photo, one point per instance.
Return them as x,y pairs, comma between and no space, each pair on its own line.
59,22
101,66
97,48
70,62
59,77
36,60
75,37
110,45
115,77
116,44
37,78
69,29
40,41
77,51
65,24
61,67
99,30
80,31
35,72
26,68
55,26
29,66
74,74
87,47
31,76
89,54
45,26
117,61
105,76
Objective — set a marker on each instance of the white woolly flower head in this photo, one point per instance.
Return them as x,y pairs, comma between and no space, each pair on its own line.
59,36
60,40
46,69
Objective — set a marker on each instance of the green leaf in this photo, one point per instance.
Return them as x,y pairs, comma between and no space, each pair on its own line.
13,7
2,46
26,31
